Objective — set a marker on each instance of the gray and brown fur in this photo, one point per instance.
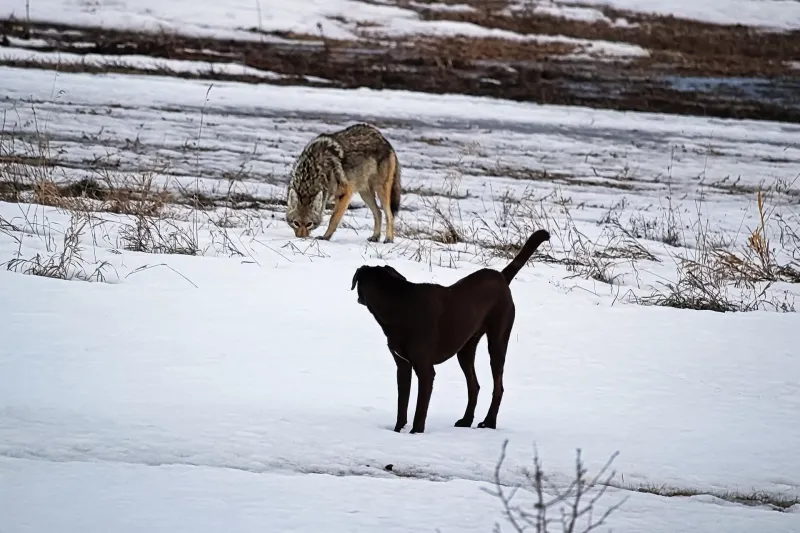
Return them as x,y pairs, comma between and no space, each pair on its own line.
337,165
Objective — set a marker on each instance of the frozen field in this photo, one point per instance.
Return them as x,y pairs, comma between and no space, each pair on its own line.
245,389
345,19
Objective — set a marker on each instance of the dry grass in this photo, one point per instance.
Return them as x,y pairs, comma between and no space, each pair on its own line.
758,260
715,278
61,260
773,501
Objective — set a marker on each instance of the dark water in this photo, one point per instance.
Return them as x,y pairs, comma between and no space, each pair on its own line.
780,91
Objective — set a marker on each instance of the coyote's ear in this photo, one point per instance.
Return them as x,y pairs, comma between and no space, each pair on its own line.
355,277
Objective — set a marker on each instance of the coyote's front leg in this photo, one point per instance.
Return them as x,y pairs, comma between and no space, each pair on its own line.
343,195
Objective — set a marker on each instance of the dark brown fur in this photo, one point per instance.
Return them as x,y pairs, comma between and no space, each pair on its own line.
426,324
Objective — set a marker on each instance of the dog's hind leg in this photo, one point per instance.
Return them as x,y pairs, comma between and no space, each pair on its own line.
497,338
466,358
425,375
403,391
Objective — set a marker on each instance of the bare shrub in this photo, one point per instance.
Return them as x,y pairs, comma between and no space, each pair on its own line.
570,509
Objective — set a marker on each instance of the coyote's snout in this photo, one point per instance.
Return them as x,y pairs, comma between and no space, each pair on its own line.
337,165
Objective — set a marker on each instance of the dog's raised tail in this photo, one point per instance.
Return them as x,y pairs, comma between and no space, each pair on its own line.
530,246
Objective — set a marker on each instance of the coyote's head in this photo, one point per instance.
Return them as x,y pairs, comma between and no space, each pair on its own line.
314,176
304,211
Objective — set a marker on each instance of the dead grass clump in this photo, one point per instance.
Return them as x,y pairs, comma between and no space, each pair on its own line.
158,235
65,262
516,219
131,194
585,257
773,501
450,52
758,261
704,276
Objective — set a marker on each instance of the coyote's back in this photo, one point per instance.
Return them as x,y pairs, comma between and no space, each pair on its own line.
337,165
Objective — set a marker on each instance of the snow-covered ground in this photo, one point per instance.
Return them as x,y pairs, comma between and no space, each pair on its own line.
771,14
244,385
139,62
348,19
253,392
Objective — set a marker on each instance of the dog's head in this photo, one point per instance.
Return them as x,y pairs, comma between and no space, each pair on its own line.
369,277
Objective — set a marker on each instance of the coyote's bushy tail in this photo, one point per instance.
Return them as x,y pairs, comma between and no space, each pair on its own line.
533,242
394,200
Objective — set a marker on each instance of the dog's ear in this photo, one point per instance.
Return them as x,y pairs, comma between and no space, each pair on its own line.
394,273
356,276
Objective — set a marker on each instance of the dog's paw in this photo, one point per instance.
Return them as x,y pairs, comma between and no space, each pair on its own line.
322,238
398,427
464,423
491,424
387,240
373,238
415,430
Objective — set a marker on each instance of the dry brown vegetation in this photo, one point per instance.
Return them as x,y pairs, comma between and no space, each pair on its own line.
150,217
505,68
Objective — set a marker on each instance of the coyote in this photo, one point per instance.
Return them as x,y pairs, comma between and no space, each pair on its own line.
339,164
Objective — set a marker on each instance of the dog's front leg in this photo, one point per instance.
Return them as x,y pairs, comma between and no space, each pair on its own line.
403,391
425,375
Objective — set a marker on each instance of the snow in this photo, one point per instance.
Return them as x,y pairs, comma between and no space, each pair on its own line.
301,17
349,19
136,62
253,392
82,89
554,9
769,14
240,371
444,28
452,8
232,19
123,498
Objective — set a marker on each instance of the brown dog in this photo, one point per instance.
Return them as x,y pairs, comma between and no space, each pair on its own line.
426,324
